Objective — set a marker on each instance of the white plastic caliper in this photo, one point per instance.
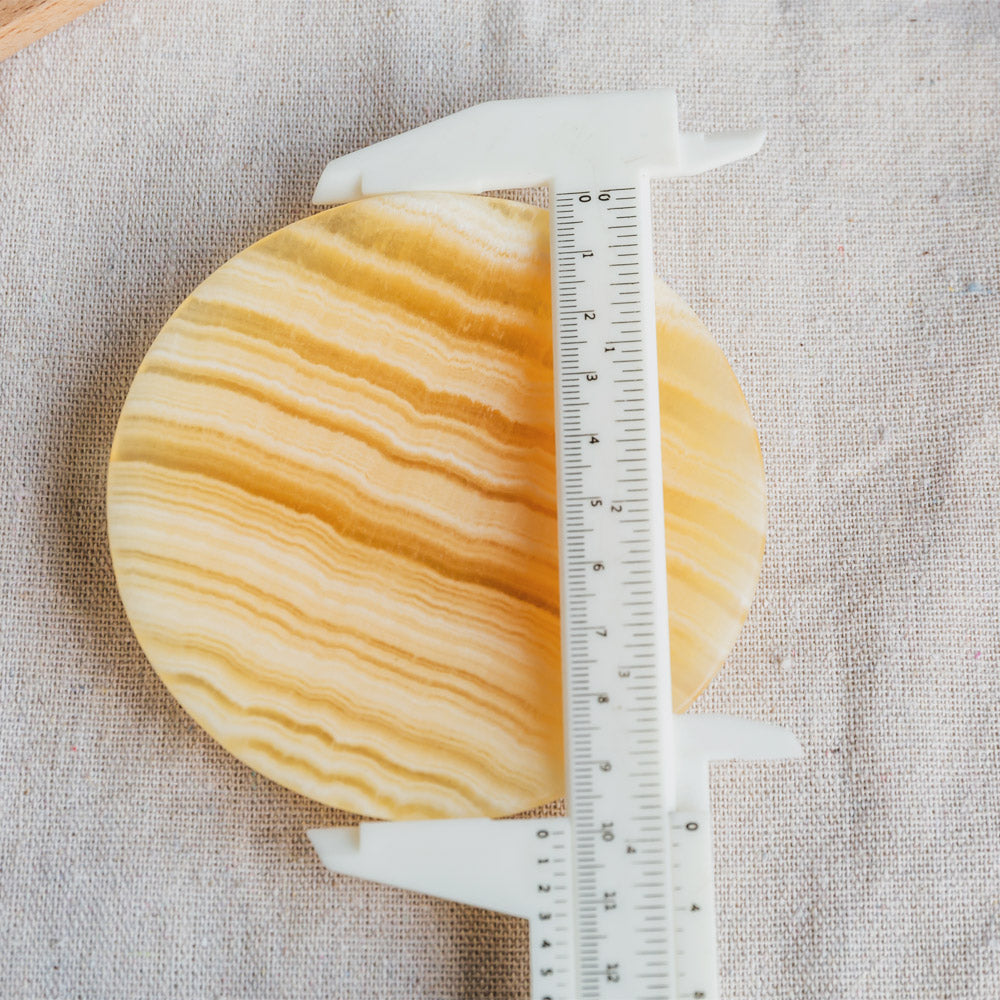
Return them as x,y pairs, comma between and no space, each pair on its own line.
618,893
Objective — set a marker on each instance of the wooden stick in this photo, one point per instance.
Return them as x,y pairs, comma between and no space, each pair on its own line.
25,21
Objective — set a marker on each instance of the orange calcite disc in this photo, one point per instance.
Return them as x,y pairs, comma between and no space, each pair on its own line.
332,507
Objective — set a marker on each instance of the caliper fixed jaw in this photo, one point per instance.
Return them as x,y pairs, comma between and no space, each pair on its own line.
532,141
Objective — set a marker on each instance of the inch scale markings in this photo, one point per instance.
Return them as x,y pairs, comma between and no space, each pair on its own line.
623,561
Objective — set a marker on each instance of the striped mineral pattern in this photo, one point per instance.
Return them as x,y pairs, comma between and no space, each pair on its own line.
332,508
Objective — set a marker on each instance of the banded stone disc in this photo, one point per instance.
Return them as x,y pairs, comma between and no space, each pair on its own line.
332,511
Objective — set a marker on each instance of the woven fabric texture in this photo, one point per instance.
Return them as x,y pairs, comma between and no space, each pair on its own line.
851,271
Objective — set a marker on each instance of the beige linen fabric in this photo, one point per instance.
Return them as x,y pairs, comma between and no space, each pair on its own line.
851,271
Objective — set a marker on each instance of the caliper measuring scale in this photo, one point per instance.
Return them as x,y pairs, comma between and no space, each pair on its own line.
613,888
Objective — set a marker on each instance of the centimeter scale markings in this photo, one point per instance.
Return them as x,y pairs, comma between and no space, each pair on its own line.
616,671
